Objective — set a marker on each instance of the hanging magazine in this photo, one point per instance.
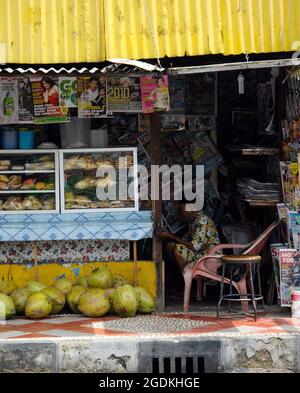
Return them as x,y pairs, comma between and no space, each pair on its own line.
155,94
68,91
45,96
8,100
124,94
25,100
91,96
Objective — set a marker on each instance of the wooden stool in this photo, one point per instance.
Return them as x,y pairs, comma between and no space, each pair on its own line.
252,262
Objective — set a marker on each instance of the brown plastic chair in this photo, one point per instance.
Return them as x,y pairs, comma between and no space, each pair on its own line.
208,265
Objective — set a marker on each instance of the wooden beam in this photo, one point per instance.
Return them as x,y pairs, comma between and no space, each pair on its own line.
157,209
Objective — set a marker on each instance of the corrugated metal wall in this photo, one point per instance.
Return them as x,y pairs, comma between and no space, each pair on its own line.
65,31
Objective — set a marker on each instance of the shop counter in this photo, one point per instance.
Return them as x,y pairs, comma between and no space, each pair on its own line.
76,226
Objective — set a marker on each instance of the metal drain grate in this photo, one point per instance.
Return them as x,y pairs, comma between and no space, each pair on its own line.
180,356
178,365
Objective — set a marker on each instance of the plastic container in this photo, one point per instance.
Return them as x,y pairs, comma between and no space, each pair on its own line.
99,137
9,138
295,298
75,134
26,138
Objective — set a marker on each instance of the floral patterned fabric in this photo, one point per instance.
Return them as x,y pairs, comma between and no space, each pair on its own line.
203,235
65,251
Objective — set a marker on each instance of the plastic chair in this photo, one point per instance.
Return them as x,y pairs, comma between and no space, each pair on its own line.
208,265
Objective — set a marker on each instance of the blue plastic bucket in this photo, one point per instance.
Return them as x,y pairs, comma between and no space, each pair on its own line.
26,139
9,138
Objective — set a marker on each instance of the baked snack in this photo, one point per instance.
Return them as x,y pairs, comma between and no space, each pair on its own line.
87,182
3,186
4,178
71,163
105,181
5,163
69,197
17,168
28,184
15,182
13,203
4,168
82,200
31,203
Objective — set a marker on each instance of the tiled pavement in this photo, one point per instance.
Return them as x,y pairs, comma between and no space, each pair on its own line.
170,324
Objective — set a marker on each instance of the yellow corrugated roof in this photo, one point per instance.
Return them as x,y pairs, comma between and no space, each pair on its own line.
69,31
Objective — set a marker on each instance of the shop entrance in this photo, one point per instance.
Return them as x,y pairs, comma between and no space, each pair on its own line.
232,125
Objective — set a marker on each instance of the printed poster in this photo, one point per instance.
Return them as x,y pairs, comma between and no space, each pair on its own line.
91,96
124,94
155,94
25,100
8,100
289,260
45,96
68,91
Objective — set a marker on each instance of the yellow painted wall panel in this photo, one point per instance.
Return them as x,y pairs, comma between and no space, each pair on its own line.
19,275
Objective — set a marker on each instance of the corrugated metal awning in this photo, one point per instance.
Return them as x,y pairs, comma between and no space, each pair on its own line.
74,31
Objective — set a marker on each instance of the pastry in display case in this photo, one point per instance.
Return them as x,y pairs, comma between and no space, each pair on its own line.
99,179
29,181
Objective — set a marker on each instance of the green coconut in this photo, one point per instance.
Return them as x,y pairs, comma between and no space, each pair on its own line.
145,299
108,293
57,298
93,303
100,278
19,297
73,297
63,284
35,286
82,281
38,306
125,301
119,280
7,307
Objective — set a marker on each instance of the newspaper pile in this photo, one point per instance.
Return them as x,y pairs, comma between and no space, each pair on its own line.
252,189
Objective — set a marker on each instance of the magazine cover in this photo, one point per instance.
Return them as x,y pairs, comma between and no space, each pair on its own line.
144,123
124,94
91,96
289,182
25,100
200,123
45,96
155,94
8,100
177,93
172,122
68,91
275,247
289,261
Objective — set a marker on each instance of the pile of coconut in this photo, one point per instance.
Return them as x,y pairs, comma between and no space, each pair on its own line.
95,295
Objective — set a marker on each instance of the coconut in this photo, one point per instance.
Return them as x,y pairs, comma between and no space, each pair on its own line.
125,301
73,297
108,293
119,280
63,285
38,305
35,286
57,298
145,299
7,307
82,281
19,297
93,303
100,278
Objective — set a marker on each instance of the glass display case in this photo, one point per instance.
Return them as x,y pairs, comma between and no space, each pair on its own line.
94,180
29,181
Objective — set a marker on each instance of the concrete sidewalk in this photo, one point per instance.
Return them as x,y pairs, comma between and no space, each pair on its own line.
169,342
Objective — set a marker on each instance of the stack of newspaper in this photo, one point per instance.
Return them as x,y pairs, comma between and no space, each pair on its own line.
252,189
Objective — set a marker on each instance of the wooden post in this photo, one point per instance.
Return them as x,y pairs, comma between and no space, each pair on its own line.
35,257
135,263
156,210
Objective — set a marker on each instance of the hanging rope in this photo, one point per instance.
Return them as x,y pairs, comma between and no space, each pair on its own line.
156,52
